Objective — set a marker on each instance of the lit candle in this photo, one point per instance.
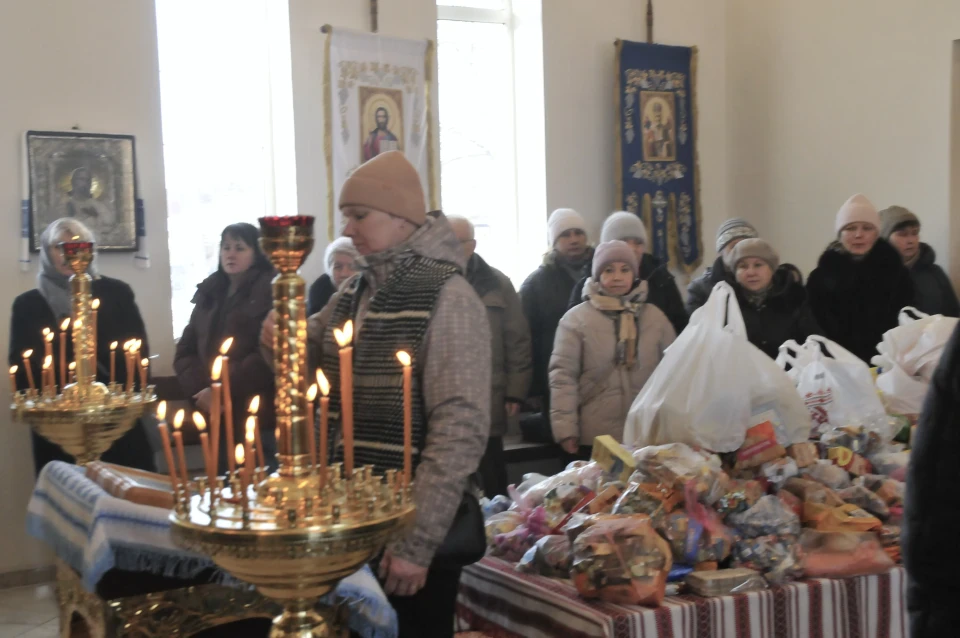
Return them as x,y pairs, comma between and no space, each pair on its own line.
73,371
248,448
144,368
95,306
404,359
205,448
63,351
241,457
215,411
47,380
254,408
165,439
48,343
227,399
311,397
113,362
26,364
178,441
344,338
13,379
324,415
128,360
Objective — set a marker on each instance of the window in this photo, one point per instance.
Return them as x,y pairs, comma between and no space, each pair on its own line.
227,112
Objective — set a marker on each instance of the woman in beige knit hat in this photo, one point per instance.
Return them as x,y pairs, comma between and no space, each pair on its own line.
860,283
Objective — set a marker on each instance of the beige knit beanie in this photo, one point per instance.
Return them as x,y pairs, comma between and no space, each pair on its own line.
857,209
894,218
758,248
388,183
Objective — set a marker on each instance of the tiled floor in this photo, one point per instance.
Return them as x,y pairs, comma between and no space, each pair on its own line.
28,612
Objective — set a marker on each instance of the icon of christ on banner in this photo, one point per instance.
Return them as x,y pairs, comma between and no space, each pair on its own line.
381,115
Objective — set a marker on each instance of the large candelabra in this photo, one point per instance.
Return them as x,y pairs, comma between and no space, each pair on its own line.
297,533
84,417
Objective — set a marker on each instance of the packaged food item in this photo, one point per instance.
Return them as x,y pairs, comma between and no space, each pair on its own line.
495,505
777,472
692,542
810,491
768,516
846,518
707,566
623,561
850,461
865,499
760,446
561,499
842,555
892,464
804,454
791,502
887,489
501,524
853,437
644,498
776,557
740,496
512,545
550,556
707,486
674,464
613,457
579,473
678,573
603,502
725,581
826,472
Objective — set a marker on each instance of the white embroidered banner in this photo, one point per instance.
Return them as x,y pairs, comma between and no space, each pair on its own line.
377,93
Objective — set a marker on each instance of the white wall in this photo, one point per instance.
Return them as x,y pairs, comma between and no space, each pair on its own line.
830,98
415,19
93,64
579,80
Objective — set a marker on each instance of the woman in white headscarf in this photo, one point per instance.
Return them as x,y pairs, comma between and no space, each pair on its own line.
47,305
340,260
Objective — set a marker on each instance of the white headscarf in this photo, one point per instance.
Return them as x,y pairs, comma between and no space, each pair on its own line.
341,245
53,284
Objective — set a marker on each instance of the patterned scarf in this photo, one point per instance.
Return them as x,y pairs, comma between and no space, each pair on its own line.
625,311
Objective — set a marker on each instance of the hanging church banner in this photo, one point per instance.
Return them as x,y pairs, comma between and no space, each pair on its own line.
376,99
657,173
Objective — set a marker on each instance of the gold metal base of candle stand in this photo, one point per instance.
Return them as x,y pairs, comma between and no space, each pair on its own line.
84,421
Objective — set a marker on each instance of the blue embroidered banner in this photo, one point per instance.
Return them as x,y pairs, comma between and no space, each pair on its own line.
657,173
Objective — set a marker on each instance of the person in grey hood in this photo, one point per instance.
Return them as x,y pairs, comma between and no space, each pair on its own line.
730,233
410,294
933,292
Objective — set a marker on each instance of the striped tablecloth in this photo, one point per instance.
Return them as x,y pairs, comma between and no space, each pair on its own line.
94,532
502,603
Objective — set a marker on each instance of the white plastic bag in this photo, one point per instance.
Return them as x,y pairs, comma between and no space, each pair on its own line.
837,389
711,386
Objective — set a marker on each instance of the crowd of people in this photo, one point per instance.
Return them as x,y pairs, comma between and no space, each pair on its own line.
572,350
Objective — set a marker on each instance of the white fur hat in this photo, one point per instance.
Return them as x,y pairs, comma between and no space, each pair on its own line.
857,209
562,220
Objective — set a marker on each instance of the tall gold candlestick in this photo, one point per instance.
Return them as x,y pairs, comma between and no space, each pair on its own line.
227,400
344,339
63,352
405,361
26,364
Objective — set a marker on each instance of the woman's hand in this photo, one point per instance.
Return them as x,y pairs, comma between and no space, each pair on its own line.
202,400
570,445
268,329
400,577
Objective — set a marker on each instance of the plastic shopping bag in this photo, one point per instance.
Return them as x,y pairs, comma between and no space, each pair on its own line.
837,388
712,385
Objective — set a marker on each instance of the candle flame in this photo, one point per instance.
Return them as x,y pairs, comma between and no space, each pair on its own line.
113,346
404,358
199,421
49,337
13,369
95,304
322,381
45,332
239,455
178,420
254,405
217,368
78,324
161,411
345,336
126,345
136,345
144,363
251,425
225,347
28,353
65,324
47,361
72,366
276,433
312,392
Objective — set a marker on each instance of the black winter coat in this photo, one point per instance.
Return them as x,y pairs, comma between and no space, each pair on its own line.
932,516
662,291
117,320
700,288
544,295
320,292
784,315
933,292
855,302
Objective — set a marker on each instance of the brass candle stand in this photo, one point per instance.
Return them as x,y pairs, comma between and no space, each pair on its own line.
85,417
297,533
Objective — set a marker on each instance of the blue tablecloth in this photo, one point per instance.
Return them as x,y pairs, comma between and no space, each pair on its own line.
94,532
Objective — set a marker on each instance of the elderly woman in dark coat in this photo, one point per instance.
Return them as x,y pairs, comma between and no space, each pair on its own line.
232,302
340,260
860,283
46,306
932,517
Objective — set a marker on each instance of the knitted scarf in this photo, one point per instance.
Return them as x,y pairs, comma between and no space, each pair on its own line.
398,316
625,311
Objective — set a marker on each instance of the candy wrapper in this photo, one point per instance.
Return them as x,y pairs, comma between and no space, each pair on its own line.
865,499
513,545
603,502
768,517
836,478
674,464
708,485
842,555
646,498
776,557
760,446
805,454
623,561
888,490
496,505
810,491
846,518
501,524
791,502
692,543
777,472
550,556
853,437
561,499
739,497
850,461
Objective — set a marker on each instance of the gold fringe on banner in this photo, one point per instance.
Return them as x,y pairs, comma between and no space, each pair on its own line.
689,268
673,245
618,160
